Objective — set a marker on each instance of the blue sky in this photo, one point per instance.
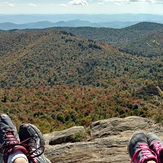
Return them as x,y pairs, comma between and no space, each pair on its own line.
80,6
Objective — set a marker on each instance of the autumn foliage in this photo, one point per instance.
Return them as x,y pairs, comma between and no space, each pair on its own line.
55,79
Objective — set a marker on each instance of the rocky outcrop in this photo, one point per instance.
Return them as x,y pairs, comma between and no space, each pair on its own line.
105,142
69,135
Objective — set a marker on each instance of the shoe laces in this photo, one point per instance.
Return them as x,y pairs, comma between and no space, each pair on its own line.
145,152
158,146
11,140
33,150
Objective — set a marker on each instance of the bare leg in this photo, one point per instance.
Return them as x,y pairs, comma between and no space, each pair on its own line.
20,160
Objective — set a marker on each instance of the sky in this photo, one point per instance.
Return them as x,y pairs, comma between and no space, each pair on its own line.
81,6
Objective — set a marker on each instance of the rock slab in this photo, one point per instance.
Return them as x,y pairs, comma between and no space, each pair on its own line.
107,142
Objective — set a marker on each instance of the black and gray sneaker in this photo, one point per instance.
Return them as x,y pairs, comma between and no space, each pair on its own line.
9,139
32,137
139,150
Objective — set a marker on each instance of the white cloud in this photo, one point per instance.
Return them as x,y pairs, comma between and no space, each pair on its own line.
133,1
100,3
144,1
10,4
156,1
117,2
7,4
79,2
147,1
32,4
63,5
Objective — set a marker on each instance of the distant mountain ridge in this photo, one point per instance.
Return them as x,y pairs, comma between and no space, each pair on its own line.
8,22
148,26
22,19
70,23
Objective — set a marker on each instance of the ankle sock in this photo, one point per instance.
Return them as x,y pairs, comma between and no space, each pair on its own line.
15,155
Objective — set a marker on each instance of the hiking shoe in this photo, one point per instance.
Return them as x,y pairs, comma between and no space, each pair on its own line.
9,139
139,150
32,137
156,145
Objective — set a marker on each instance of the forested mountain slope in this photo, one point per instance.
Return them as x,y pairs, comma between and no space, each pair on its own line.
148,45
58,80
49,57
144,39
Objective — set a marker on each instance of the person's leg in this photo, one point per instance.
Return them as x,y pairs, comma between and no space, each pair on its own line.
33,138
20,160
10,146
139,150
156,145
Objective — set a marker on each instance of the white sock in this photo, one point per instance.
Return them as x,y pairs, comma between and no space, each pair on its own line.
16,155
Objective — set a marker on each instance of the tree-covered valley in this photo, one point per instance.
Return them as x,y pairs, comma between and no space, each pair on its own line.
59,77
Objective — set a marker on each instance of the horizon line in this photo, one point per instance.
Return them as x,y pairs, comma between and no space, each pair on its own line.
83,14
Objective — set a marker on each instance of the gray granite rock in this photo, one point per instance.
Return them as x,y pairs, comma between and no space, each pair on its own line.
107,143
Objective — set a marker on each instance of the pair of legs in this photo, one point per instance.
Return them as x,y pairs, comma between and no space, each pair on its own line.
25,146
145,148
